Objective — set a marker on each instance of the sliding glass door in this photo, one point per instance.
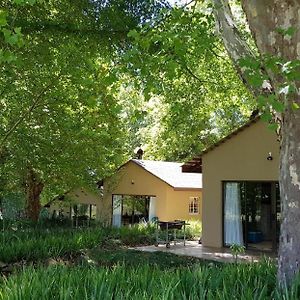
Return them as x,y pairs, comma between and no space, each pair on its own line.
251,214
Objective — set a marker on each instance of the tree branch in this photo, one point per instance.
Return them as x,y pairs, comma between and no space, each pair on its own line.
236,47
196,77
24,115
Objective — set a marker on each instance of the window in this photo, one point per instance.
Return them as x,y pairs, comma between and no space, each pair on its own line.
194,206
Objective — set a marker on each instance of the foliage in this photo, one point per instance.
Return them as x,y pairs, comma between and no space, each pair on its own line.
12,205
194,229
31,244
273,100
245,281
181,66
60,111
112,257
237,249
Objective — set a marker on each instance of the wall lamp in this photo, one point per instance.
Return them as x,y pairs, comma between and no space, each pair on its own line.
270,157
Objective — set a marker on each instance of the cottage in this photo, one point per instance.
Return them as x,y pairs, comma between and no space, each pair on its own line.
142,190
77,205
241,203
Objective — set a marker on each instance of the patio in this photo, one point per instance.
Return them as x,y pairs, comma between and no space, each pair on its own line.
194,249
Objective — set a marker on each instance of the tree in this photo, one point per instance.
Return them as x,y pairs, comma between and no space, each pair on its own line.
180,66
61,122
275,28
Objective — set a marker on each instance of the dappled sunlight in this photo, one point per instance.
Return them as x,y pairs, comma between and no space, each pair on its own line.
194,249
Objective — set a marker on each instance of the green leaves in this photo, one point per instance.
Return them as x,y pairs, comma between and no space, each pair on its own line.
250,63
25,2
273,126
295,106
66,86
13,38
266,116
133,34
3,18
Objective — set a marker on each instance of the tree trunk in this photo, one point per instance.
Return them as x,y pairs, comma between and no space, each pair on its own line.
234,44
268,20
33,188
289,248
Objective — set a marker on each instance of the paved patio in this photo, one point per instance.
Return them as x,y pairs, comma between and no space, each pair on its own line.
194,249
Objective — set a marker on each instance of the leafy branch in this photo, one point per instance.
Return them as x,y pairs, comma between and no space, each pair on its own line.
24,115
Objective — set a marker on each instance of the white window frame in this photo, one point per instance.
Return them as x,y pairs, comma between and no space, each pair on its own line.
194,206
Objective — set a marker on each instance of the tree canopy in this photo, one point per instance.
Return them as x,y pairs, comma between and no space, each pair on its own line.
60,115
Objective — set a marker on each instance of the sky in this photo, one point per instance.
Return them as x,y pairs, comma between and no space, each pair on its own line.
178,2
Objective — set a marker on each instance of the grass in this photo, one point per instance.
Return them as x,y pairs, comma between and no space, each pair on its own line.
105,268
31,244
38,244
144,281
134,258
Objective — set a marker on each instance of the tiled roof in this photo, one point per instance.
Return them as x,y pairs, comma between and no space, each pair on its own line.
170,172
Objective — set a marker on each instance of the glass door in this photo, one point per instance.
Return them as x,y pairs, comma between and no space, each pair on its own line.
258,210
252,214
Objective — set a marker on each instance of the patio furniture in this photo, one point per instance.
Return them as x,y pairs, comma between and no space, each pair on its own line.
170,232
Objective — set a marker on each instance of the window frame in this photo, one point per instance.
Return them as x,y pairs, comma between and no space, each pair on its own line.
194,205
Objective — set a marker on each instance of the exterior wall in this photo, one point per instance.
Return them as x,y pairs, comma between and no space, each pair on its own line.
170,204
241,158
177,203
77,196
133,180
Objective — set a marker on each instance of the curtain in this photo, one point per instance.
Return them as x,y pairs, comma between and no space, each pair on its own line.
117,211
233,228
152,209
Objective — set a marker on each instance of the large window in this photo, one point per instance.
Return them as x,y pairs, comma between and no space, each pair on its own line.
194,206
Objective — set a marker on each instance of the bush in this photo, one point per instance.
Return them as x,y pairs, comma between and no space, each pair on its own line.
194,230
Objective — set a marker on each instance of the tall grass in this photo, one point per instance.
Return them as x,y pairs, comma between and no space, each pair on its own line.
37,244
253,281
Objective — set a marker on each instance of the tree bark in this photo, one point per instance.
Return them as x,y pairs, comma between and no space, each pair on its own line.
268,19
235,46
33,188
289,247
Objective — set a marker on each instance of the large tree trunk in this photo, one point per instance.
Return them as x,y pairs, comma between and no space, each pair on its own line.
266,18
33,188
289,248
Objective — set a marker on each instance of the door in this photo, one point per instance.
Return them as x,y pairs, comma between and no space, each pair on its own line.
251,214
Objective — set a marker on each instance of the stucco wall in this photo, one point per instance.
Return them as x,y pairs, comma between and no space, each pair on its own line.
177,203
133,180
170,204
77,196
243,157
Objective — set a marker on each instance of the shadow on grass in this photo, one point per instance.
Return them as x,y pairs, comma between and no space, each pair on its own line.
134,258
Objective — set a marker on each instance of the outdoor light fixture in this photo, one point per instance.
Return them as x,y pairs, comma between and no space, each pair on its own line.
270,157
